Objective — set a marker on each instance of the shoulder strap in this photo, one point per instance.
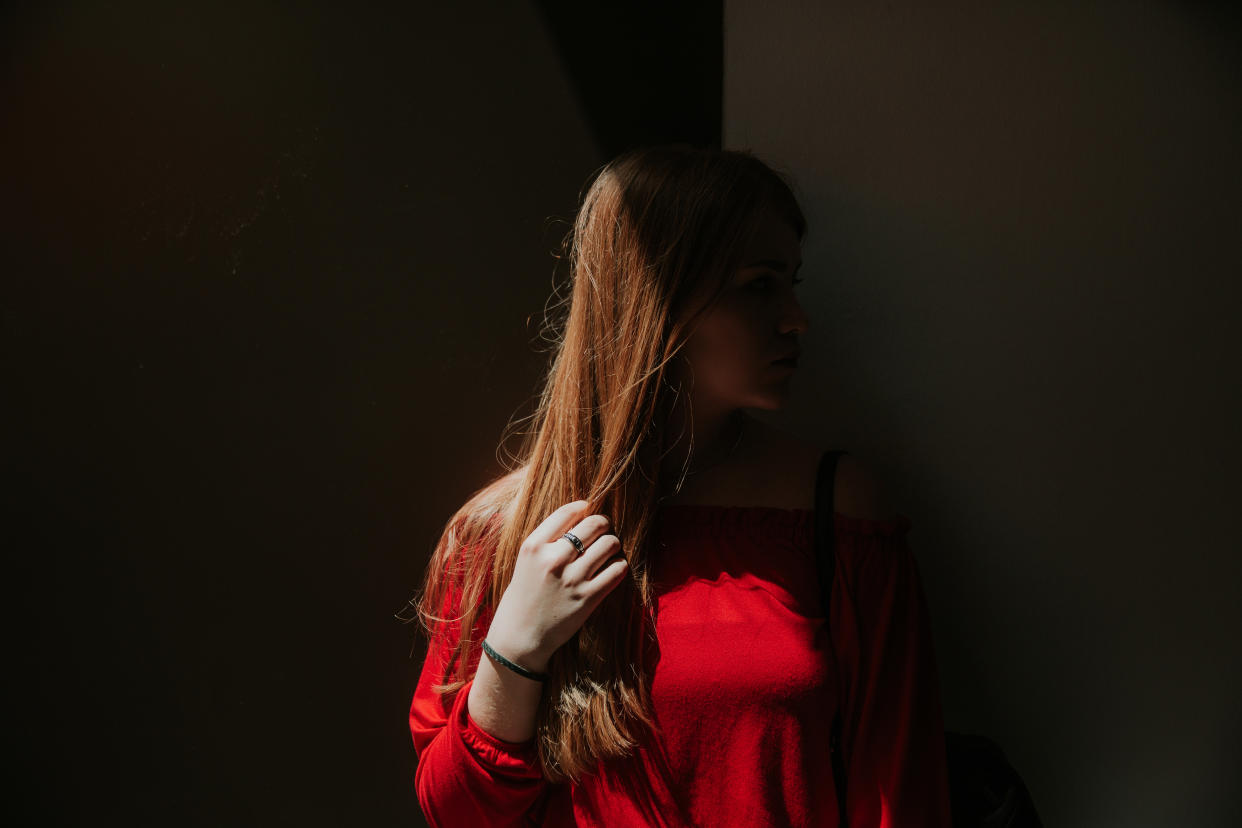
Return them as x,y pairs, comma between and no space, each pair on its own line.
824,534
825,558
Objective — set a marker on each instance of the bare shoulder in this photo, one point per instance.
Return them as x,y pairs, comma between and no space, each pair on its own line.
859,489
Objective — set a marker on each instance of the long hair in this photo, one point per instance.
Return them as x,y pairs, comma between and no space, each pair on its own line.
655,240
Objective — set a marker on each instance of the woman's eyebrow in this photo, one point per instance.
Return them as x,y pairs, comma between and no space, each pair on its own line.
775,264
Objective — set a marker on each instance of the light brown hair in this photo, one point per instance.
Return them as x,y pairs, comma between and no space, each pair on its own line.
658,235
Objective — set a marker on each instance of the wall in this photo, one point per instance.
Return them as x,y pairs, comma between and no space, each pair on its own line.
268,270
1022,277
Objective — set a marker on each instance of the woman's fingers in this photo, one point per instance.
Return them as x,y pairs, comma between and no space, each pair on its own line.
571,517
587,565
557,523
612,573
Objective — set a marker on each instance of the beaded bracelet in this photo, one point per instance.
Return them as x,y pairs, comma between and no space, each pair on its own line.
504,662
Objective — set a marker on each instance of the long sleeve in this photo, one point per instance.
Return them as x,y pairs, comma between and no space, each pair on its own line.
893,733
465,776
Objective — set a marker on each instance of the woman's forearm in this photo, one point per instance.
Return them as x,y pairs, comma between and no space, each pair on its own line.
502,702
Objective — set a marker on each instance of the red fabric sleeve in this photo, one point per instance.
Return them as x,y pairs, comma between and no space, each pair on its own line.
465,776
893,728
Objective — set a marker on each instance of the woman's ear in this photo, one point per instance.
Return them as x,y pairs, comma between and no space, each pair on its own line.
860,492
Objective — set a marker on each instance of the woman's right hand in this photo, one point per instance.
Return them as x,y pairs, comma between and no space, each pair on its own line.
554,589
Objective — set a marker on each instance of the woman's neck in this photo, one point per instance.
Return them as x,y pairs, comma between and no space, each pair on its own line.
716,438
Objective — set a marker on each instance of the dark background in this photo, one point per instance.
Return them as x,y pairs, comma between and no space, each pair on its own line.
273,277
244,244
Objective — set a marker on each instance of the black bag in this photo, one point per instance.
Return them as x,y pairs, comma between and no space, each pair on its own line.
984,789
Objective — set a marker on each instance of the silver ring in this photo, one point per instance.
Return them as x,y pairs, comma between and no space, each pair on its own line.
572,538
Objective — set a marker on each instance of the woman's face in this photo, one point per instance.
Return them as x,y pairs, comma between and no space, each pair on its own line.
756,321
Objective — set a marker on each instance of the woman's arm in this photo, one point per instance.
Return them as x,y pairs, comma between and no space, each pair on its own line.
477,761
466,775
502,702
893,733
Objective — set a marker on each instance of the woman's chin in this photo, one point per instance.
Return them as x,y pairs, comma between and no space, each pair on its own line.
771,400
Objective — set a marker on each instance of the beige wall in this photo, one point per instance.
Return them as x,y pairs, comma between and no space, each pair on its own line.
1022,273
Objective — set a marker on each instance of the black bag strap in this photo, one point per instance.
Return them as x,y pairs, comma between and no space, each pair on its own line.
825,560
824,534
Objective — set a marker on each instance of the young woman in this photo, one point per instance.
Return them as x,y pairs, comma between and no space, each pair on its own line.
626,629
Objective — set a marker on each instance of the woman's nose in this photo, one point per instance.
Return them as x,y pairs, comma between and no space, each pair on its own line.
793,317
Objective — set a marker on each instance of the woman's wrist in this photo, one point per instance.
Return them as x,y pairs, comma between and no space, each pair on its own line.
518,649
512,666
503,703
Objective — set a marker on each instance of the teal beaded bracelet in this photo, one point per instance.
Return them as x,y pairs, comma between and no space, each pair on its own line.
504,662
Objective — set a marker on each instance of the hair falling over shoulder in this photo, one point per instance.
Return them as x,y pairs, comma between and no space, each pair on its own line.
657,234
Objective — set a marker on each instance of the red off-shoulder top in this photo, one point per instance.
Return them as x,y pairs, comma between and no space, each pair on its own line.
748,677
